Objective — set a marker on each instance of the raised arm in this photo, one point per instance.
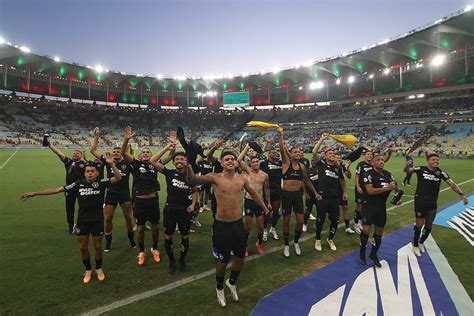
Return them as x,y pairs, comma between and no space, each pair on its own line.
458,190
284,153
348,172
255,196
241,161
170,155
196,180
210,153
95,142
25,196
117,175
58,152
388,155
128,134
318,145
155,159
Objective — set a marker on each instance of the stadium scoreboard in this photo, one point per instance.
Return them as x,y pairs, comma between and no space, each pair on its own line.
236,99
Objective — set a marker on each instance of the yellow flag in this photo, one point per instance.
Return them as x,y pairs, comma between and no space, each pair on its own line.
262,126
346,140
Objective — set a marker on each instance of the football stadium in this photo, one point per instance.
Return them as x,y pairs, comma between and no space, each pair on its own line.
341,186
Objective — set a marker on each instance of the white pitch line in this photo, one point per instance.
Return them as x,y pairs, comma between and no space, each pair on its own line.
171,286
5,163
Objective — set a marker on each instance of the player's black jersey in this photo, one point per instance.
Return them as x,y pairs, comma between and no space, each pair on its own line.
74,170
329,179
427,187
362,167
313,176
90,197
144,177
305,162
179,191
100,166
218,167
206,167
378,181
273,169
121,186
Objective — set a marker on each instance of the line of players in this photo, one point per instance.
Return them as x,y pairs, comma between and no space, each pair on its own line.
279,182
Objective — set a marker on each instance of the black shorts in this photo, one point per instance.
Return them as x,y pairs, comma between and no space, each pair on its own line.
114,198
90,228
424,207
292,200
227,237
173,216
251,208
275,194
146,210
377,217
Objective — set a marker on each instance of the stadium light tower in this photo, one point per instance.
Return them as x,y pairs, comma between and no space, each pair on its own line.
57,59
338,81
351,79
386,71
438,60
99,69
25,49
2,40
159,77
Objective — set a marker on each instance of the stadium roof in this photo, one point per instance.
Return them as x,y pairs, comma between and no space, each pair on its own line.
453,33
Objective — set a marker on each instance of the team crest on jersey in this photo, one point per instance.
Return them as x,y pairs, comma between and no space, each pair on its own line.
151,167
123,167
81,165
95,185
437,172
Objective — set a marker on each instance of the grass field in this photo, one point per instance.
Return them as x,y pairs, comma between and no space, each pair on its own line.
42,270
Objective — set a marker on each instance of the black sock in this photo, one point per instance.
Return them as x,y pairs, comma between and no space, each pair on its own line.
169,249
426,233
364,238
286,238
357,217
155,244
297,236
131,236
416,237
87,264
142,246
108,237
233,276
376,244
260,238
347,223
219,282
98,263
184,249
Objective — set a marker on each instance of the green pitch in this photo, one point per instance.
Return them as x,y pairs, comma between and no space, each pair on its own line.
42,270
